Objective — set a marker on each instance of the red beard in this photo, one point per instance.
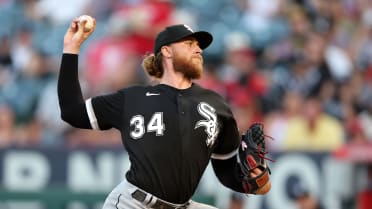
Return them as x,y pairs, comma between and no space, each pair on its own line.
191,68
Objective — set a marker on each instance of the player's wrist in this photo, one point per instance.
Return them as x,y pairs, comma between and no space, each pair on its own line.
71,49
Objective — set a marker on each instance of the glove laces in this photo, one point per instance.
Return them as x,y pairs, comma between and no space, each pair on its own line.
262,154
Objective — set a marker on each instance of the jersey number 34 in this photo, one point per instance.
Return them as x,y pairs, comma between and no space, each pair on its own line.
155,124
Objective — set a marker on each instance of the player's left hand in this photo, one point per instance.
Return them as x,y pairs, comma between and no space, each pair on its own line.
263,189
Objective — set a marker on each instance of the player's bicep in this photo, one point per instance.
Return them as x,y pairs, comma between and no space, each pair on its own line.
105,112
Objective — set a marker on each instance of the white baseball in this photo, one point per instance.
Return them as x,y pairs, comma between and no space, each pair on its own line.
89,22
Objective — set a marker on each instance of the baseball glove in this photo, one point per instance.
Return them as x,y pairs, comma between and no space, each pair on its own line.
252,152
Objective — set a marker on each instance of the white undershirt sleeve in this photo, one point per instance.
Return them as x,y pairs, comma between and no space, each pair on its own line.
91,114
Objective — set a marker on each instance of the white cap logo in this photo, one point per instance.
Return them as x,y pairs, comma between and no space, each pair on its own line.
188,28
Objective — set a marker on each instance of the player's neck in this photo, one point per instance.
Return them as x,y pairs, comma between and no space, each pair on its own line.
176,80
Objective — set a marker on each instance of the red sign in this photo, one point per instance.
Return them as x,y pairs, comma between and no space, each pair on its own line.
359,153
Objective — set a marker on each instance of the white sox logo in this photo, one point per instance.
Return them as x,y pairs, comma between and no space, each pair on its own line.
210,124
188,28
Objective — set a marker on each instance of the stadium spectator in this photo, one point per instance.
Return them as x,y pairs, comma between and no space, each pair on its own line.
277,122
314,130
7,126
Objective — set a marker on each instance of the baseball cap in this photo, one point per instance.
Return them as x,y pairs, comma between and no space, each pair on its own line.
175,33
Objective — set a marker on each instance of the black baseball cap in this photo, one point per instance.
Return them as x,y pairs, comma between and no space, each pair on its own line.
175,33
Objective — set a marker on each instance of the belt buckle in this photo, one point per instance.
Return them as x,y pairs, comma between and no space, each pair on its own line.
139,195
159,204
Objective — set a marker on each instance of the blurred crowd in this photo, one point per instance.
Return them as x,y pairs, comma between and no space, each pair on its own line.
302,67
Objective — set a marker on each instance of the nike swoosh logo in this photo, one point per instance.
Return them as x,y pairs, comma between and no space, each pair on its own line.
151,94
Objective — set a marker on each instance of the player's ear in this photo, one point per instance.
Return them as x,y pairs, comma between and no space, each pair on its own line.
166,51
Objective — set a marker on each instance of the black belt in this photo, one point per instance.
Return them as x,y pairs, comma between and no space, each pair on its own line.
159,204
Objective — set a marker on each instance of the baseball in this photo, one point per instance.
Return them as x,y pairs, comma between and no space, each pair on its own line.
89,22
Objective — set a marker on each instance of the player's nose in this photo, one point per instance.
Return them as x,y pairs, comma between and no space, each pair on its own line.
198,49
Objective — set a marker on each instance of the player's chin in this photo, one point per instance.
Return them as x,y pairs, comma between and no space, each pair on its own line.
264,189
195,72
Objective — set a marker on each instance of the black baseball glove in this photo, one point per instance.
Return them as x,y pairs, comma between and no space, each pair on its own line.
252,152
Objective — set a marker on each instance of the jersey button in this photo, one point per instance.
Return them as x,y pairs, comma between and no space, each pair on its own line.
179,94
183,112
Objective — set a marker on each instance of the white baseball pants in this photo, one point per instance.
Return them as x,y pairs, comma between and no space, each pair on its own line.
121,198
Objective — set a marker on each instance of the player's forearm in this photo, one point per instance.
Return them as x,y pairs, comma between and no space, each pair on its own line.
70,97
228,173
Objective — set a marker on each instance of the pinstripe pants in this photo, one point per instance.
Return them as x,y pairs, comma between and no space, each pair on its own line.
121,198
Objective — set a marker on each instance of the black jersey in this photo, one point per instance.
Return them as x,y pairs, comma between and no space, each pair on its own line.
170,134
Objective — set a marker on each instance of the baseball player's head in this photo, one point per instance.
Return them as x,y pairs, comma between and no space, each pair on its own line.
180,46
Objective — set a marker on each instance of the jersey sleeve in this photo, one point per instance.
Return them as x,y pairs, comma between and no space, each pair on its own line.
70,97
105,111
224,157
228,139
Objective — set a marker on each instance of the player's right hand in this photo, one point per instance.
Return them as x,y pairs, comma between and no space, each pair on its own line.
75,36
